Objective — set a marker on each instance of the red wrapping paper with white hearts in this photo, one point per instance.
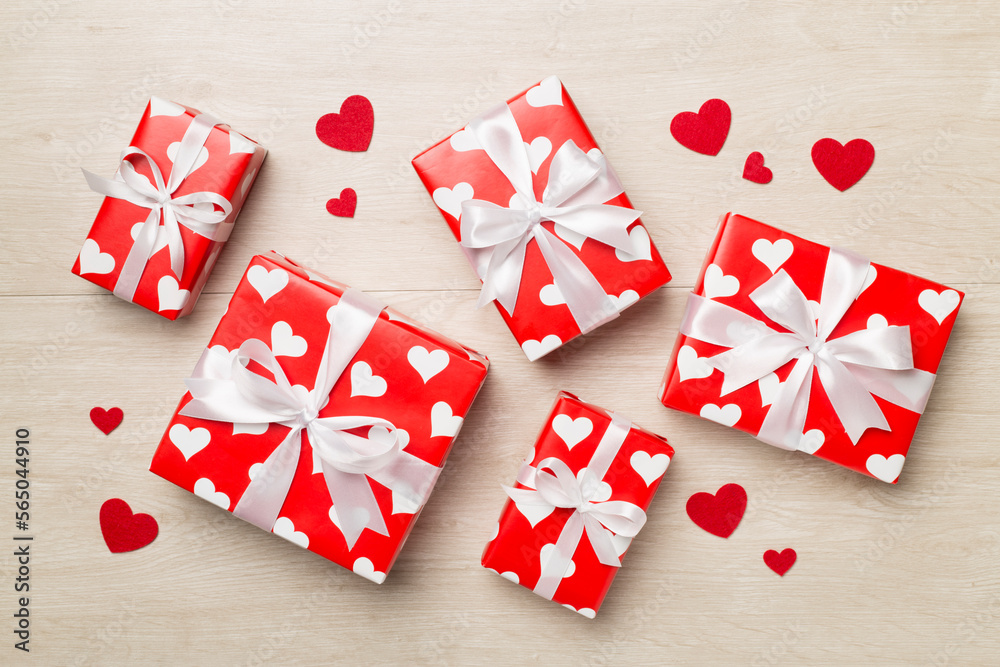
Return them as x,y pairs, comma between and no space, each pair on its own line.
589,467
204,202
542,218
375,441
810,348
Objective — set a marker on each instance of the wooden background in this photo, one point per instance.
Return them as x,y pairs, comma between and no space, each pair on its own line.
903,574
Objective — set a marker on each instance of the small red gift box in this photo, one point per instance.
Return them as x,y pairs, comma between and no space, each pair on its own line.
170,208
579,499
809,348
542,218
320,415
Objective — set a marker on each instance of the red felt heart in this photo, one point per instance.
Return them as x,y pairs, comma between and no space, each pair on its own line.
780,563
344,206
721,513
754,169
123,530
351,129
703,132
842,166
106,420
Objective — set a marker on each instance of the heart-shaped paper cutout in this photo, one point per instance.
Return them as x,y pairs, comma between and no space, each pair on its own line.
106,420
351,129
124,531
842,165
721,513
704,132
345,205
780,562
754,169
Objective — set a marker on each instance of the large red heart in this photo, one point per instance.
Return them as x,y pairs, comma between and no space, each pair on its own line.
754,169
106,420
703,132
345,205
721,513
780,563
351,129
123,530
842,166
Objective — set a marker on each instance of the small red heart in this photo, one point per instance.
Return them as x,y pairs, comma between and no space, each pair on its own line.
344,206
124,531
754,169
721,513
842,166
780,563
703,132
106,420
351,129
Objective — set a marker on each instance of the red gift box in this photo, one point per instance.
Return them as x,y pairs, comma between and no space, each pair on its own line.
170,208
542,218
320,415
579,499
809,348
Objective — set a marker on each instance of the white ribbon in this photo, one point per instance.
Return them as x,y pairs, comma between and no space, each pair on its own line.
224,389
497,237
189,210
851,368
552,484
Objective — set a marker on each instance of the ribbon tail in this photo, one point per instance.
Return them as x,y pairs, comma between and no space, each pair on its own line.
502,280
408,477
262,501
851,401
782,426
600,540
554,569
908,388
138,256
588,303
355,503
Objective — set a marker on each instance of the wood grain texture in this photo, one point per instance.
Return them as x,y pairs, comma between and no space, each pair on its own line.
889,575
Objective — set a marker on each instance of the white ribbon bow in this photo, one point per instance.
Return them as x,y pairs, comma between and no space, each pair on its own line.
189,210
497,237
552,484
224,389
851,367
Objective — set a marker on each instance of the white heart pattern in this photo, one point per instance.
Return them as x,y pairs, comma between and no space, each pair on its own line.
255,470
284,343
464,140
773,255
625,299
727,415
811,441
869,278
267,283
443,420
534,513
547,93
510,576
548,552
639,239
250,429
427,363
205,488
92,260
650,468
877,321
199,161
572,431
366,569
284,527
768,387
162,107
886,469
189,441
690,366
403,505
939,306
575,239
536,349
161,238
240,144
450,200
169,294
366,383
538,151
601,493
550,295
583,611
717,284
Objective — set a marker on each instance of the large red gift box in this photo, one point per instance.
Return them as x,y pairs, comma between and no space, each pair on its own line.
579,500
542,218
170,208
809,348
320,415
